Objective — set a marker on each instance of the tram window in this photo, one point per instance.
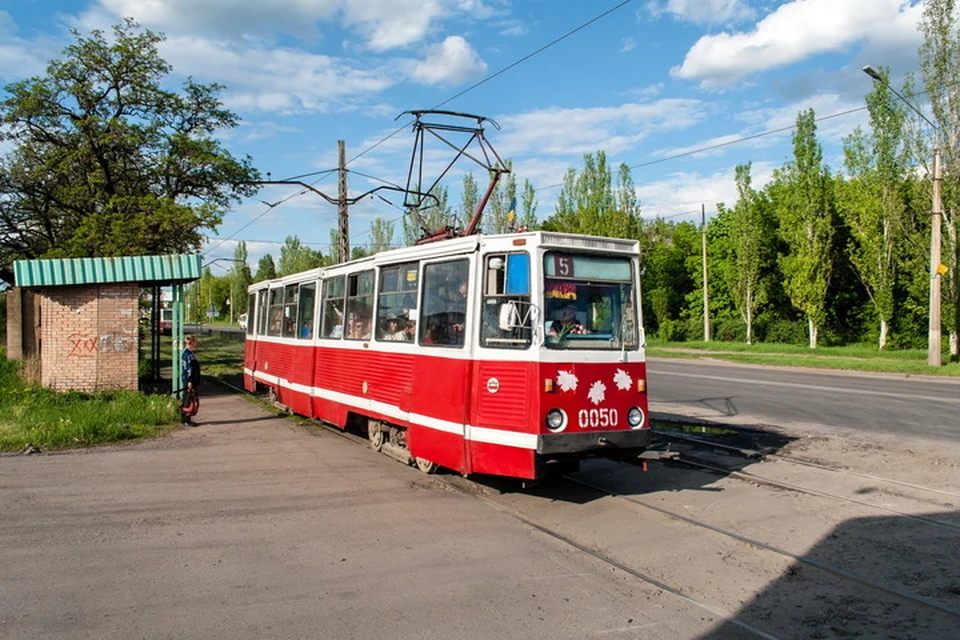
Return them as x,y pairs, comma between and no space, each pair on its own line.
331,323
262,311
507,312
589,302
290,311
275,325
305,311
359,305
443,319
397,302
251,308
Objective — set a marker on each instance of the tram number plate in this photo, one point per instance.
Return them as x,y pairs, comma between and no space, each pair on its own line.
594,418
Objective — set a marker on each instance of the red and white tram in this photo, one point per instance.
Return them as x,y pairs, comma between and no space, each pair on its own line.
504,354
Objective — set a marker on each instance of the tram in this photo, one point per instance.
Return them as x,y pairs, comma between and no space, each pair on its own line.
513,354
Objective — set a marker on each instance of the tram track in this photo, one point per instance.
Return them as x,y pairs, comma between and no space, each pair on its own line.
543,517
806,560
760,455
757,456
470,489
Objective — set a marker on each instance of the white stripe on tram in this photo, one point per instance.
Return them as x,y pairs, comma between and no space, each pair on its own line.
484,435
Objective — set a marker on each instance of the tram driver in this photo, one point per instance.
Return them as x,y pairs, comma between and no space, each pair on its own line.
567,324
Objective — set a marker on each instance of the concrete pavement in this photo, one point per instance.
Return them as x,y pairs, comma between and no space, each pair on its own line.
251,526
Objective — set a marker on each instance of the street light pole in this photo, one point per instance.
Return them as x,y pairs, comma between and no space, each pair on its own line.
936,214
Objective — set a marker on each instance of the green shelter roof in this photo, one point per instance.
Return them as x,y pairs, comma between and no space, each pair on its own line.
158,270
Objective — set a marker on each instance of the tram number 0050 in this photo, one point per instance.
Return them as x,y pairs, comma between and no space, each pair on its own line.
598,418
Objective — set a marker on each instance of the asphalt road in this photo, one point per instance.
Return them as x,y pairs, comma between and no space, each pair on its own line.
922,406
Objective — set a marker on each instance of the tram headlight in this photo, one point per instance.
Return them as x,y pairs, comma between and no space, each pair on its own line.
635,417
556,420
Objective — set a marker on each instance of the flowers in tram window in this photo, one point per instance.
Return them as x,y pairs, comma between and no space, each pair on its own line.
623,380
597,393
567,381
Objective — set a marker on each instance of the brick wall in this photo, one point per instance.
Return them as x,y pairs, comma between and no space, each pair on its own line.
89,337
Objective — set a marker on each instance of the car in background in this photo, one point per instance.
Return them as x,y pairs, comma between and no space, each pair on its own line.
242,321
166,322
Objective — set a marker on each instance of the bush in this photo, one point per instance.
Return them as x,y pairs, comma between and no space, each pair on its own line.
787,332
672,331
730,330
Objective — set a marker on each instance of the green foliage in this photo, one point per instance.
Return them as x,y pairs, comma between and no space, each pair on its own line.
51,420
240,278
266,269
381,235
108,162
871,202
588,203
528,207
804,201
296,256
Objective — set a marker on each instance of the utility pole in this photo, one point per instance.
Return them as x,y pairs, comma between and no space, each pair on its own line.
343,245
706,298
933,343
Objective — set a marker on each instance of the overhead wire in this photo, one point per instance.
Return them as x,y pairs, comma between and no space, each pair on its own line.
501,71
483,81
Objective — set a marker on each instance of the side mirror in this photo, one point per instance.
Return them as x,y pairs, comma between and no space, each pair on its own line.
509,316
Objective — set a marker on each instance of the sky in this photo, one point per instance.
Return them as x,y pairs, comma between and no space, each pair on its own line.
668,87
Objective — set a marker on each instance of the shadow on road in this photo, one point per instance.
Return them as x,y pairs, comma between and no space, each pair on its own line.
895,578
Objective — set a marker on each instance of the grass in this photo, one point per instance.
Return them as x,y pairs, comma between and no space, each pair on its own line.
850,357
32,415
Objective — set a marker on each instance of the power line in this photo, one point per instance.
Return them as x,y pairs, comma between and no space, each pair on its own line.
490,77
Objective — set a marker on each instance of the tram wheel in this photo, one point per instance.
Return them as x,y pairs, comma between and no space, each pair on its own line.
426,466
375,435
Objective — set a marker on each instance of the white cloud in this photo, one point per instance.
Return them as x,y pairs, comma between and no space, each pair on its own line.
795,31
559,131
703,11
388,24
20,58
281,80
228,17
449,63
383,24
680,195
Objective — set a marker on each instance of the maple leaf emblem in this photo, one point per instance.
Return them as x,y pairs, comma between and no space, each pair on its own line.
623,380
597,393
567,381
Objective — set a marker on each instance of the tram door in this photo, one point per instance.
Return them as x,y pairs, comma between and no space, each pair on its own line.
441,380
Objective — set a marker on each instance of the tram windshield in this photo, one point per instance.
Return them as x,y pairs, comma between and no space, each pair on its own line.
588,302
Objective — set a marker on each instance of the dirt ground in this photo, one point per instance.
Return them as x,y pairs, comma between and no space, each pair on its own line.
251,526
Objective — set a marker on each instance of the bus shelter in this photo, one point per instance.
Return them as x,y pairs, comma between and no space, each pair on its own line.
86,320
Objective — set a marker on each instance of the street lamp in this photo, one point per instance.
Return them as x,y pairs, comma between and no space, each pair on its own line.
936,214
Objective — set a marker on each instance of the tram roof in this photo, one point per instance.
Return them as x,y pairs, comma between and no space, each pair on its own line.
466,244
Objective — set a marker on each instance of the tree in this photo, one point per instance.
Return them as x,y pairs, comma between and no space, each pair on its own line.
496,216
588,204
528,206
805,210
871,201
381,235
431,219
240,278
469,198
266,269
296,256
746,246
107,162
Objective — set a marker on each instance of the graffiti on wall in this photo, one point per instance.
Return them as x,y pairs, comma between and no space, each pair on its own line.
84,345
